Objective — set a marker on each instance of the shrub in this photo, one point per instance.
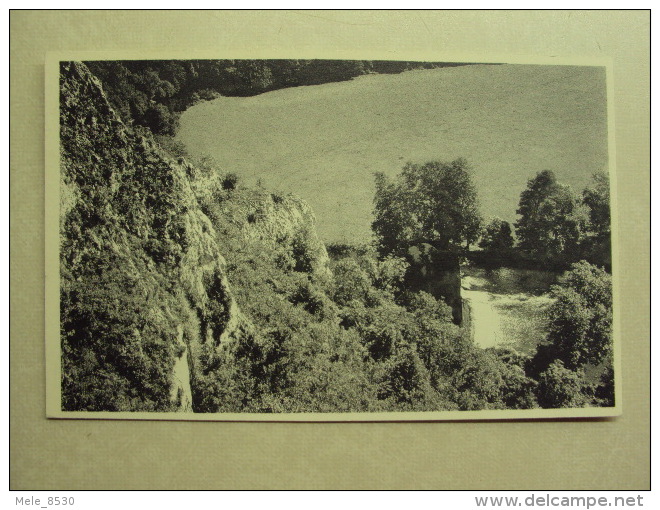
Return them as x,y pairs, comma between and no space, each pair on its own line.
230,182
160,120
604,394
560,387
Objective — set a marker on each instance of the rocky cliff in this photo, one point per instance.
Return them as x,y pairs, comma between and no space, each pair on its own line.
144,288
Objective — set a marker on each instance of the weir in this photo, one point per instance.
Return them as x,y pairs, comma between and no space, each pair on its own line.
439,274
506,307
493,306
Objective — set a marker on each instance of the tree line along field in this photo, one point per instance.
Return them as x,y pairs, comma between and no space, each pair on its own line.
277,326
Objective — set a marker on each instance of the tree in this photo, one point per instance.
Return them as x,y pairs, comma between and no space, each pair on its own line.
538,189
434,203
597,245
551,218
580,340
581,316
597,199
604,393
160,120
497,236
560,222
230,181
245,77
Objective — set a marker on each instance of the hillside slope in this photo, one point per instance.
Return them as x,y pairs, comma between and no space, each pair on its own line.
143,280
324,142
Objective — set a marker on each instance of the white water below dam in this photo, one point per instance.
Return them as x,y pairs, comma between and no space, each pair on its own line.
506,308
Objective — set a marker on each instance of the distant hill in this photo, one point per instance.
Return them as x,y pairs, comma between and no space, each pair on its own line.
324,142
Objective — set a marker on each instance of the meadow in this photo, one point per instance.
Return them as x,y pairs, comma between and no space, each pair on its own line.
324,142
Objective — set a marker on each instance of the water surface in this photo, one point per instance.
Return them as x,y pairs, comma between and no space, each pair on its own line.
508,307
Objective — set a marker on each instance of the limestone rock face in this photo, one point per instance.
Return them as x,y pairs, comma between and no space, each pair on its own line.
288,220
148,318
141,272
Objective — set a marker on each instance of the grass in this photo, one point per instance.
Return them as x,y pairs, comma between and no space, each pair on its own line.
324,142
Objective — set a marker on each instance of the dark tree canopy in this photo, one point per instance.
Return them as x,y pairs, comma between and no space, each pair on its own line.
133,86
497,236
597,244
434,203
597,199
552,218
560,387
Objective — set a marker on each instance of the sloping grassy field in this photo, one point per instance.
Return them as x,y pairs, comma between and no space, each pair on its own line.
324,142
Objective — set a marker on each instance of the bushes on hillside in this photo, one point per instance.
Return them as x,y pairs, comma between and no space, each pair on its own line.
230,181
560,387
433,203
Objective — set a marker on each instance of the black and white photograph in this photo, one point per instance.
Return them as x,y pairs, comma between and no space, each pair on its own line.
330,240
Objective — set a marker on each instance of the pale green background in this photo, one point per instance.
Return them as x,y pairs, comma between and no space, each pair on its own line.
587,454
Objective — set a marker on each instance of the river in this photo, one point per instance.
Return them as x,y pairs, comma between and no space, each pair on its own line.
508,307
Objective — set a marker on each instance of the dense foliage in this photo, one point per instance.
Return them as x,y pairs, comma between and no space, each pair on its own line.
579,338
434,203
596,245
558,226
497,238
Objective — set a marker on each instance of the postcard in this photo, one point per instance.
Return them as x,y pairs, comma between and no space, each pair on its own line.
348,239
